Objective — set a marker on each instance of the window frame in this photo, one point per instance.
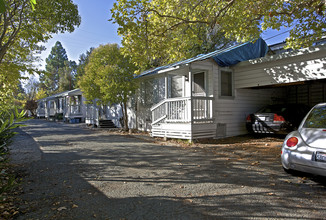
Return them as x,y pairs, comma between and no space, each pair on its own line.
205,83
232,96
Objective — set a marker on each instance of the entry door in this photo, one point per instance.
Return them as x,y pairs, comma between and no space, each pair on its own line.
199,84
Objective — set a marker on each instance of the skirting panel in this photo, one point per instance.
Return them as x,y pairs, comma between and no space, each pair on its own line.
185,131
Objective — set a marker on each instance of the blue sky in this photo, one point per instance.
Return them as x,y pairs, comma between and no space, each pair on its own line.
95,29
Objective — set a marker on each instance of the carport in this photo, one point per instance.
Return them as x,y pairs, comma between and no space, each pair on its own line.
296,76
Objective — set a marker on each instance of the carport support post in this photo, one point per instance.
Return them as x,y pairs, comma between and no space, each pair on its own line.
190,101
166,90
166,96
166,93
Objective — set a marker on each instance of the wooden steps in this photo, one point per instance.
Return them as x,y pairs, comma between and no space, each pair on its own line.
106,124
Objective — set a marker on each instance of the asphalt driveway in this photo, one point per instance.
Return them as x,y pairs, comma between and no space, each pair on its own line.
76,173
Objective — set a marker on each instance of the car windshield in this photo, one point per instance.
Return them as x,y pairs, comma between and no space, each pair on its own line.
316,118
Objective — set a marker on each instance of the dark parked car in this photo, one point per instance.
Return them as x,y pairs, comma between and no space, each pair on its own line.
277,119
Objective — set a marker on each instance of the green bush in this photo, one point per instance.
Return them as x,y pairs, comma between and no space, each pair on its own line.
8,179
8,122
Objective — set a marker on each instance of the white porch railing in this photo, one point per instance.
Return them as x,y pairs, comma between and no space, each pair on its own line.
73,110
40,112
179,110
91,113
202,108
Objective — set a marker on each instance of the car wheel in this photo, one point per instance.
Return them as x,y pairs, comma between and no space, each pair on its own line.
292,172
289,171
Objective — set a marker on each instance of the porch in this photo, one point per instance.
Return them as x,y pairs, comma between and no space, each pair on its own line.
74,113
103,116
184,118
186,107
74,108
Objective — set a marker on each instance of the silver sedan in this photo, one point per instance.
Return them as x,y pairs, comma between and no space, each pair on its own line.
305,149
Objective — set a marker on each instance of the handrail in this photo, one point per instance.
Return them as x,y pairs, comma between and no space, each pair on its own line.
160,119
169,100
203,97
183,109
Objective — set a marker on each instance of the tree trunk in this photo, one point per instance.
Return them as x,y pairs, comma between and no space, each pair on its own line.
125,116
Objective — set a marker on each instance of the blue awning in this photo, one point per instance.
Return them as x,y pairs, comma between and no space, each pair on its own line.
241,53
225,57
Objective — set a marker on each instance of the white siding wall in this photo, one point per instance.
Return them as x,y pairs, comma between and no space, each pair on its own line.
208,67
232,113
302,65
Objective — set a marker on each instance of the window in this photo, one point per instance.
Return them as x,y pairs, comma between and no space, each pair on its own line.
316,118
176,88
152,91
226,83
199,87
158,90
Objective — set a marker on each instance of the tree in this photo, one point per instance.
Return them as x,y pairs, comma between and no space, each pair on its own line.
82,62
40,94
54,62
3,5
9,81
59,73
109,78
153,28
19,96
67,76
22,29
31,88
31,106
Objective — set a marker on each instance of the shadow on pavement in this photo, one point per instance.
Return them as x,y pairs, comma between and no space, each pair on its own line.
85,174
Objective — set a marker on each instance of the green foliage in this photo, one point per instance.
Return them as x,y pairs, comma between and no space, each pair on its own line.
108,77
31,105
67,76
54,62
82,62
9,81
2,6
151,29
59,73
23,29
41,94
8,122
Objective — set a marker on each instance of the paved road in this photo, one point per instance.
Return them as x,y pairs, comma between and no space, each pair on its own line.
87,174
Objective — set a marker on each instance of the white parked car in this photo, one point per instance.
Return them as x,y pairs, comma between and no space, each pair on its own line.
305,149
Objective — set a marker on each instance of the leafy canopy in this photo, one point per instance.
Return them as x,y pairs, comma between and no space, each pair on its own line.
108,77
59,72
82,62
3,5
22,29
153,28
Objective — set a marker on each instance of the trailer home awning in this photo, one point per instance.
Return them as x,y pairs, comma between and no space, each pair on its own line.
243,52
225,57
